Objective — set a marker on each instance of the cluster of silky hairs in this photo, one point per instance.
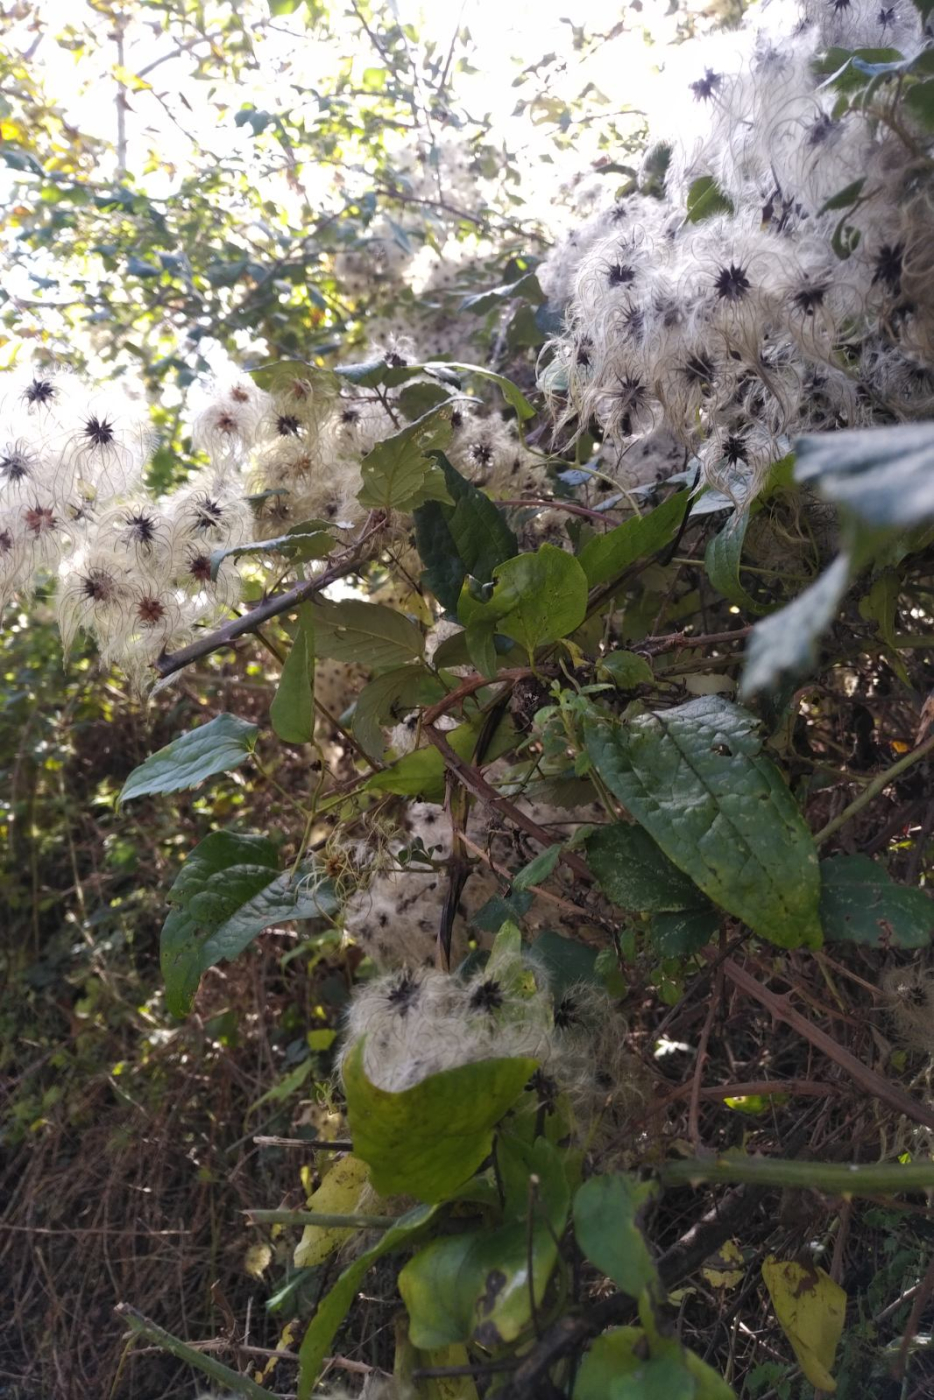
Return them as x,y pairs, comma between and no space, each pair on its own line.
417,1022
141,573
726,337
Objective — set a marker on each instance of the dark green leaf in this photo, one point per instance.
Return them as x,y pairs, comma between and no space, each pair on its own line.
919,99
510,392
566,961
696,778
222,743
679,933
607,1210
292,712
722,561
844,198
527,286
428,1140
635,874
859,903
607,555
705,198
785,644
228,890
418,399
500,909
470,537
537,869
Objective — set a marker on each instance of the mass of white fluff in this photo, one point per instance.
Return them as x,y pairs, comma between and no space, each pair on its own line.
731,335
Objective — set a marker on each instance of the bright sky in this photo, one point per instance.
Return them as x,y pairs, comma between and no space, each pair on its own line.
502,31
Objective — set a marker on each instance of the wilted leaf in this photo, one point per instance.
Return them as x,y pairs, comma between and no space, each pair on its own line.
696,778
338,1194
428,1140
811,1309
222,743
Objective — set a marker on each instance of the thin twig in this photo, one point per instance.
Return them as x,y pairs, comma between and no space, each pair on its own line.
169,662
872,790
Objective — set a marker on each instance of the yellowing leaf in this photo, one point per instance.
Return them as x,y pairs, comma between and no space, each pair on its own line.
810,1308
257,1260
725,1268
338,1194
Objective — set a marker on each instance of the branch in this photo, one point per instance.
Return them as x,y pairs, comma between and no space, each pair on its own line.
874,1084
872,790
475,783
170,662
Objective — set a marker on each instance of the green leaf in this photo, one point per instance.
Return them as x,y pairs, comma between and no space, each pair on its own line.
475,1286
844,198
635,874
705,198
679,933
859,903
538,869
420,398
565,961
228,890
538,598
224,742
626,669
309,540
334,1307
511,392
606,1225
386,698
617,1367
428,1140
884,475
470,537
419,774
398,474
605,556
785,644
368,633
919,99
696,778
292,712
527,286
722,561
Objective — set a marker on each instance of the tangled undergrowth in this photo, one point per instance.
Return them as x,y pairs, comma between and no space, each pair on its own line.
543,1002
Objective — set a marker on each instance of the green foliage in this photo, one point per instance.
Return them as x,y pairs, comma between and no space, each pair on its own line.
697,780
607,1212
469,539
228,890
212,748
859,903
292,712
426,1141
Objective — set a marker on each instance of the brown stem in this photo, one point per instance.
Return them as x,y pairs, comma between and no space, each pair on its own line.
868,1079
169,662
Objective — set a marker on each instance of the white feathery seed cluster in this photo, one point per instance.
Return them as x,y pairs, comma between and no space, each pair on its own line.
775,315
418,1022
